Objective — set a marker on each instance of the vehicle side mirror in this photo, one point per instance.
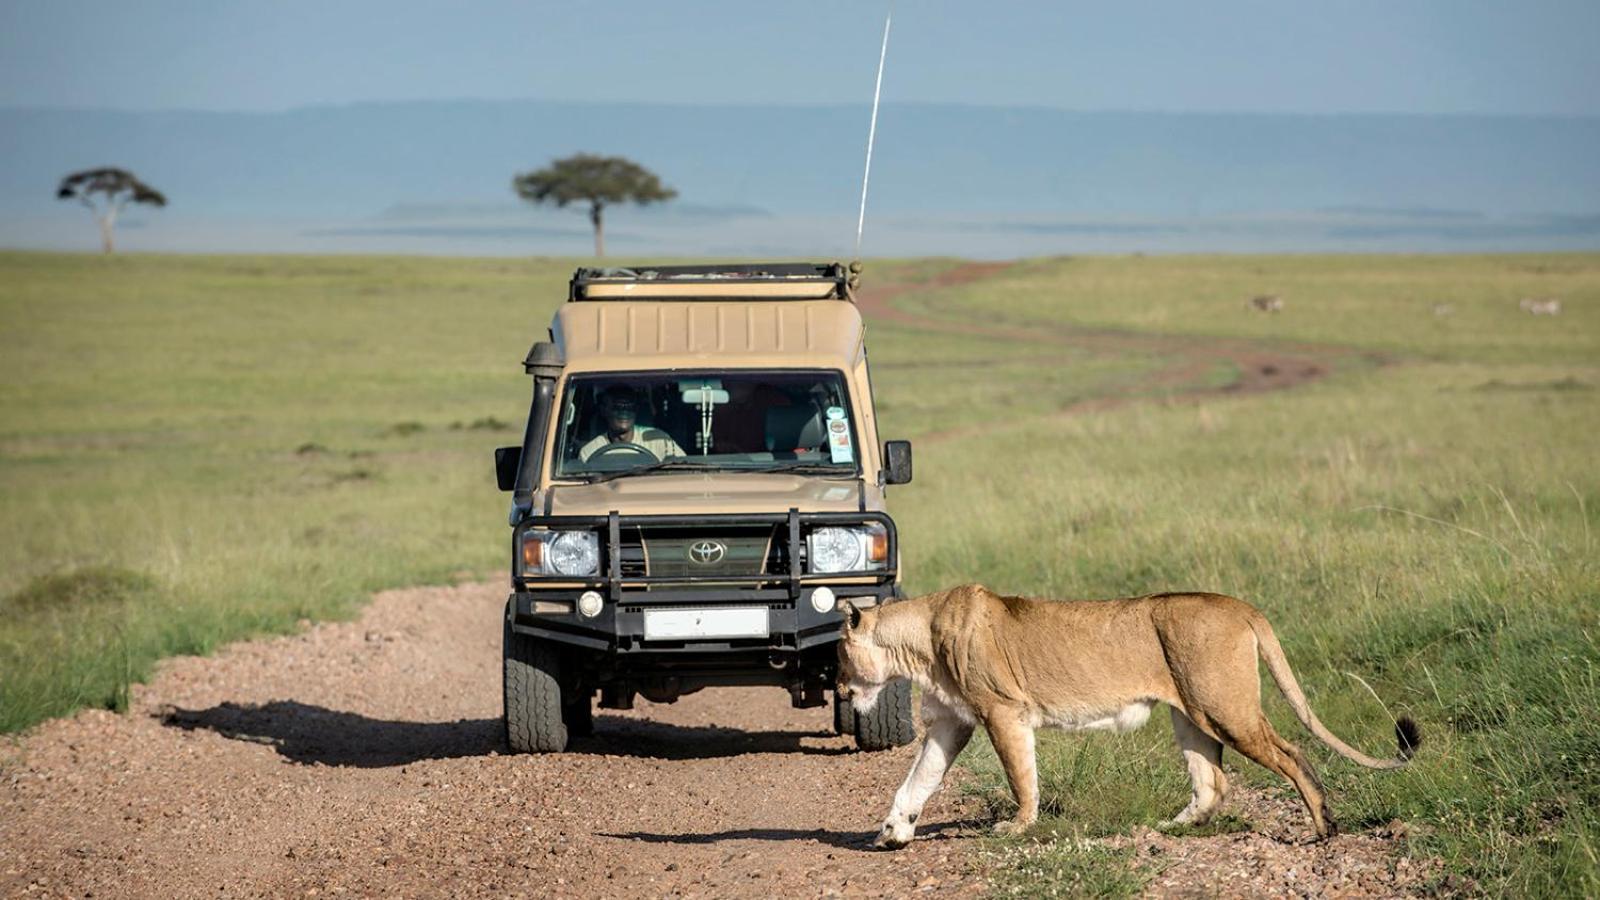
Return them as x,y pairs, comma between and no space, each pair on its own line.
896,462
507,460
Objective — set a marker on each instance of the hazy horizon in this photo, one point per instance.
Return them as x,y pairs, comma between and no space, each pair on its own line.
755,180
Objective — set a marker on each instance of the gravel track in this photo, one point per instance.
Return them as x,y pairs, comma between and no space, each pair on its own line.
367,758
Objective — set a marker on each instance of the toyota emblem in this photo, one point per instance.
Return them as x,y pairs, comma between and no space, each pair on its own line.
706,553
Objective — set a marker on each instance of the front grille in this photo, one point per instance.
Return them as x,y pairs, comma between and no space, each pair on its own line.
731,553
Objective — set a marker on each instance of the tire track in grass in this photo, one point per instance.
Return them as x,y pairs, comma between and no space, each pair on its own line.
1186,376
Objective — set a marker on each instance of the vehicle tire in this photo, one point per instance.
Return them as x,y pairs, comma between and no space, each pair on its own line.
888,723
844,718
534,723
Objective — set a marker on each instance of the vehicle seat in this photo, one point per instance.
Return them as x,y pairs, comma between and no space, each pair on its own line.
793,429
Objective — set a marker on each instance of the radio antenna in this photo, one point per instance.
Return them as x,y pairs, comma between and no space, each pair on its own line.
872,130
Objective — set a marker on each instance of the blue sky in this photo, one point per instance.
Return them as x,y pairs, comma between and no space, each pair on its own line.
1438,56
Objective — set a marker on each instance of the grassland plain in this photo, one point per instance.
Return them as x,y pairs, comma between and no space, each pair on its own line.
193,449
1429,527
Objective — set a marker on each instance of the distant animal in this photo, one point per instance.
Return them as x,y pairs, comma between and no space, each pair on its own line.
1548,306
1444,309
1014,664
1267,303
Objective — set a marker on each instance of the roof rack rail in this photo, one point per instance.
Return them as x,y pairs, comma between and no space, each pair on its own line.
748,281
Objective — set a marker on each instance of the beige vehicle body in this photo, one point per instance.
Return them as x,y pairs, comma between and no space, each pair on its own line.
700,483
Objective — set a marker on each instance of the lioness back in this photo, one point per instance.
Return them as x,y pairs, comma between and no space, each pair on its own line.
1096,652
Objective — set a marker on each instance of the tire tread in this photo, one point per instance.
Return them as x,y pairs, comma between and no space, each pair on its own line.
532,695
889,723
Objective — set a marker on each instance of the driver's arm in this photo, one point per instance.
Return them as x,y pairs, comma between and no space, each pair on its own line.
661,444
587,450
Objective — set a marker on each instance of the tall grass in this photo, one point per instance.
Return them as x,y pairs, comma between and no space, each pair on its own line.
255,441
1405,528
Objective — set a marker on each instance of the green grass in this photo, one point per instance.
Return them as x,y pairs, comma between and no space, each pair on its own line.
260,440
195,449
1430,527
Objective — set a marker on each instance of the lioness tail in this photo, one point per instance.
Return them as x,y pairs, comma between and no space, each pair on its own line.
1407,735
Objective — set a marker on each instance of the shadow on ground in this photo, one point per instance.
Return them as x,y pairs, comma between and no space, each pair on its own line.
314,735
849,840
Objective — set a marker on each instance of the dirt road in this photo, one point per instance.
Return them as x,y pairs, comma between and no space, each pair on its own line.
366,758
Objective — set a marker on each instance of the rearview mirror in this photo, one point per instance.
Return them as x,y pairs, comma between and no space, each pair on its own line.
896,462
704,395
507,461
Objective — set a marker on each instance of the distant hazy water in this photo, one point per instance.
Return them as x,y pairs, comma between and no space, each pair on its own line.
769,180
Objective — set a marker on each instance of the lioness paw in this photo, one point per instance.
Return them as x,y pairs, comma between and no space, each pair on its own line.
1009,828
890,839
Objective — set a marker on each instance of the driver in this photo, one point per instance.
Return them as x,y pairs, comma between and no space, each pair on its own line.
619,406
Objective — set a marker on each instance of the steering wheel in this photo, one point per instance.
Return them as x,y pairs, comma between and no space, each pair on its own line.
624,447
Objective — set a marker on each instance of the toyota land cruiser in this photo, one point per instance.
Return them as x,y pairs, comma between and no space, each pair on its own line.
698,491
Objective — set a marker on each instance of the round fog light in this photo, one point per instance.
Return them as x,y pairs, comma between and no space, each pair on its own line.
589,604
822,599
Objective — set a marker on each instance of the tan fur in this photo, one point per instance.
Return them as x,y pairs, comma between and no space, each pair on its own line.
1013,664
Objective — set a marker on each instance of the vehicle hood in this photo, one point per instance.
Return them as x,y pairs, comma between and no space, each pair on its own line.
711,492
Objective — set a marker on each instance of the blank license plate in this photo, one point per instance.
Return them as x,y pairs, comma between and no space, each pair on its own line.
676,624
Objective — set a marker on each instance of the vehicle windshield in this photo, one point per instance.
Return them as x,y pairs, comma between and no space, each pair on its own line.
635,423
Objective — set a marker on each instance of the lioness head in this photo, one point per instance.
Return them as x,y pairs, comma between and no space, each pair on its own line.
863,665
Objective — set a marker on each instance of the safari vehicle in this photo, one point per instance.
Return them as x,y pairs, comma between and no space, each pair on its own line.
699,489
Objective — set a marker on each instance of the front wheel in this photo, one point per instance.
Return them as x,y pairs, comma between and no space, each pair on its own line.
532,694
888,723
844,717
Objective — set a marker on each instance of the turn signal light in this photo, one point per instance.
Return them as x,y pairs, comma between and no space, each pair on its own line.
877,545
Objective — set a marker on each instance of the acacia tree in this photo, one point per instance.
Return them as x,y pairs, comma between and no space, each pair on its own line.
599,180
118,188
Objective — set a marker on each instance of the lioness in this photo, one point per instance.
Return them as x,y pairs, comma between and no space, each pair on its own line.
1015,664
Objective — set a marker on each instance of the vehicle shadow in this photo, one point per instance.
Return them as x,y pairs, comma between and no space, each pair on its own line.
308,734
314,735
628,736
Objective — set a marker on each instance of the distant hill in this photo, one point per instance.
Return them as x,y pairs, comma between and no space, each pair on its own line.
435,176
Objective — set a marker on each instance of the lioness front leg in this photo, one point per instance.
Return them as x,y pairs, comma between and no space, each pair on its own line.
946,736
1013,743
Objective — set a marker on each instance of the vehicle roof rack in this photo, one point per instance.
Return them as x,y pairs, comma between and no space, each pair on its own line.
751,281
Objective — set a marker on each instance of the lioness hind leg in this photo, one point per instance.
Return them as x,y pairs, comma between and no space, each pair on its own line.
1202,753
1013,743
1262,743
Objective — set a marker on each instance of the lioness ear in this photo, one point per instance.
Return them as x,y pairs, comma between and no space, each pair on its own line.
852,617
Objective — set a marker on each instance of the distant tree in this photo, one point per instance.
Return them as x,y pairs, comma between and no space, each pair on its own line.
118,187
598,180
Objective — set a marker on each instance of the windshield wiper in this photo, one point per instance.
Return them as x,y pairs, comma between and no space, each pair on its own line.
676,464
808,468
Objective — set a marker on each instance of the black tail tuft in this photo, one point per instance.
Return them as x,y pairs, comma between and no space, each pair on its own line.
1408,735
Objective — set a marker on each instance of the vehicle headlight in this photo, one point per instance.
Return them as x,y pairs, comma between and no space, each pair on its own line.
855,549
561,552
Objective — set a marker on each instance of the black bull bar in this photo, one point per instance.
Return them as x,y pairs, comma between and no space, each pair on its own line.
612,580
